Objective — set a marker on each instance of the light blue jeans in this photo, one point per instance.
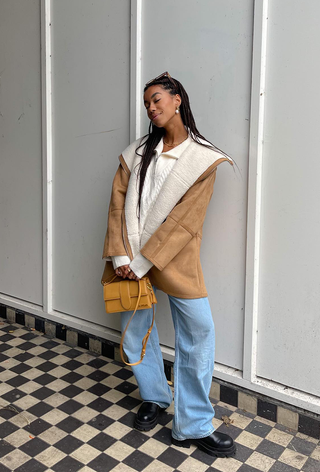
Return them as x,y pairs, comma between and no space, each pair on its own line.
193,366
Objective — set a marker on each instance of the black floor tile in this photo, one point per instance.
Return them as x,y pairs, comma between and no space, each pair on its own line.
123,374
270,449
138,460
5,447
17,381
46,366
128,402
50,344
99,389
100,404
311,465
34,447
98,375
14,395
72,365
230,429
44,379
97,363
172,457
4,469
48,355
126,387
68,444
102,441
72,353
247,468
70,406
103,463
164,436
31,466
67,464
26,346
135,439
128,419
203,457
71,377
69,424
100,422
37,427
221,411
302,447
258,428
71,391
242,452
42,393
39,409
281,467
23,357
28,336
4,346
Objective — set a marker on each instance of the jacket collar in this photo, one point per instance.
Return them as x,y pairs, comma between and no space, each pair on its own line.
192,163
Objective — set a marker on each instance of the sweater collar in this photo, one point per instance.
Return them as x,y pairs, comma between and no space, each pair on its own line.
175,152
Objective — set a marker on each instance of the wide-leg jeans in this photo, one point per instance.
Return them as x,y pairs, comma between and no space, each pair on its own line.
193,366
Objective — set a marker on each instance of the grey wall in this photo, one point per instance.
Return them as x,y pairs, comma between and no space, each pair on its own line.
20,151
289,309
90,61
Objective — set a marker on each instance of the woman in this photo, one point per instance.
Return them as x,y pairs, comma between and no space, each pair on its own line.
158,204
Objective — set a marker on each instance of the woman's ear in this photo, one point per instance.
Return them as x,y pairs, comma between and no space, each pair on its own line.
178,100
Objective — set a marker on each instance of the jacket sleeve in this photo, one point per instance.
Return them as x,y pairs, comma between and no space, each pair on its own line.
181,225
113,243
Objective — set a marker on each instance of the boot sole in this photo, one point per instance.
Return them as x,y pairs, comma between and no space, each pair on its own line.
147,426
218,452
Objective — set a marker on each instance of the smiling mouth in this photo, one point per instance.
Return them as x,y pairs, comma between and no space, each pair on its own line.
155,117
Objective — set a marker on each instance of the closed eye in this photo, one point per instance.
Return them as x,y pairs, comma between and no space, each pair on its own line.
154,102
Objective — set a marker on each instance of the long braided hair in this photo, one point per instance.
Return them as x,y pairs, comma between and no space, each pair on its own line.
173,86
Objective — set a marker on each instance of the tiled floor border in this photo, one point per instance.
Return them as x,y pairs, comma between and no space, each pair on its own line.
289,416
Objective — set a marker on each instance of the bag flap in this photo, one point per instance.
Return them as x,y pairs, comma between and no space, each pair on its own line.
112,291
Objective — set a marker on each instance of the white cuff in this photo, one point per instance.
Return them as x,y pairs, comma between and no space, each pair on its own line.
118,261
140,265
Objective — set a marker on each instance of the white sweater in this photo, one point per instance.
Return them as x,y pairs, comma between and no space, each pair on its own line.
158,170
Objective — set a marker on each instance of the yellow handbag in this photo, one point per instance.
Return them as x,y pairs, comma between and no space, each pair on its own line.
127,295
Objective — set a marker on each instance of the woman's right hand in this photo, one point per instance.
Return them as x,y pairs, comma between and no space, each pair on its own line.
125,272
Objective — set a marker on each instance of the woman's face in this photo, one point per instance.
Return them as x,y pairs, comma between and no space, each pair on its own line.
161,105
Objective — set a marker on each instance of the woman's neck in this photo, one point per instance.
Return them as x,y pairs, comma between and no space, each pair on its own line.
175,135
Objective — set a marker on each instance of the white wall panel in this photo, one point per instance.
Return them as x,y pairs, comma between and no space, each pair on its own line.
289,321
20,151
90,61
208,47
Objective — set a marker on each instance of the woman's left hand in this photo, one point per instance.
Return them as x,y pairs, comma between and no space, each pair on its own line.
126,273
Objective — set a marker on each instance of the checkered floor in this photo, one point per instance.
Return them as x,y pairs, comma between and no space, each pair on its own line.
64,409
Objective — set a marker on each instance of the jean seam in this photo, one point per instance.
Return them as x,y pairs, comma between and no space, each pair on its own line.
176,380
158,363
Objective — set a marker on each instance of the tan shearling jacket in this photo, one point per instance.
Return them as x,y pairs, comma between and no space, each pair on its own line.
172,239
